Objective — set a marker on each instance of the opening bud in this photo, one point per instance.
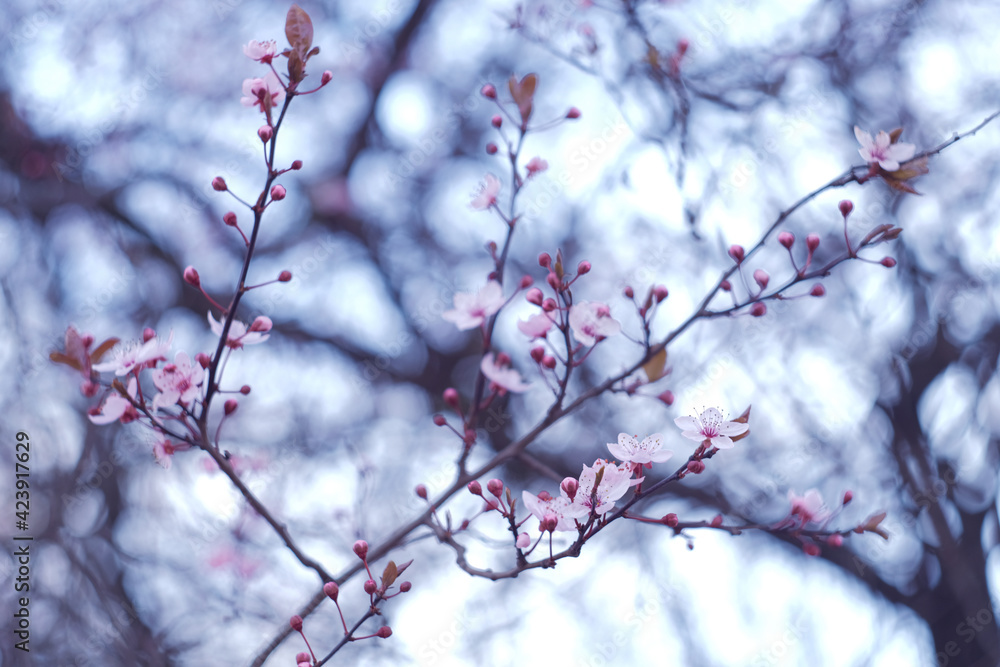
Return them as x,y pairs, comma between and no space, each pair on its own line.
219,184
191,277
229,219
277,192
761,278
786,239
583,268
332,590
812,242
736,252
265,133
361,549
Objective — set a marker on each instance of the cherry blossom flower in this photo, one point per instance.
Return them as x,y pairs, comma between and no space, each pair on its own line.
535,166
808,507
239,335
487,194
134,355
261,51
471,310
117,407
164,449
630,450
177,382
710,425
265,93
535,326
502,375
615,481
882,150
544,506
592,322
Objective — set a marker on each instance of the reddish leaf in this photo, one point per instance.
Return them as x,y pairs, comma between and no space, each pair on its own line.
60,358
743,419
523,92
103,349
389,574
655,367
894,135
299,29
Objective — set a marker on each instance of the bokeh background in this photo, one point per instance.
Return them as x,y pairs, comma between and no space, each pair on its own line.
114,118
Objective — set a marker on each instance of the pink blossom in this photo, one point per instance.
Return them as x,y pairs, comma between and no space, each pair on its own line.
261,51
536,165
164,449
117,407
177,382
630,450
487,194
265,93
882,150
558,508
239,335
592,322
615,482
535,326
711,426
808,507
134,355
471,310
502,375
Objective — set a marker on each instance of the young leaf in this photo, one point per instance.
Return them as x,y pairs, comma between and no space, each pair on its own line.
656,367
299,29
523,92
389,574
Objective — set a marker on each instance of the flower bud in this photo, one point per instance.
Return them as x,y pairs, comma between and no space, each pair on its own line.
660,293
370,586
475,488
583,268
495,486
573,113
761,278
326,78
629,292
421,491
296,623
553,281
537,353
812,242
736,252
265,132
405,587
725,286
570,486
497,121
716,521
191,276
846,206
303,657
230,219
545,260
786,239
450,397
277,192
696,467
758,309
491,148
229,407
203,359
332,590
245,390
667,397
219,184
89,388
489,91
534,296
361,549
296,165
848,497
526,282
811,549
261,324
148,334
835,540
888,262
817,290
549,305
384,632
284,276
523,541
549,362
671,520
439,420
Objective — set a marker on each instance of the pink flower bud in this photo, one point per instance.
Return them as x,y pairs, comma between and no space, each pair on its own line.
332,590
384,632
671,520
296,165
229,407
491,504
370,586
89,388
682,47
786,239
284,276
545,260
475,488
583,268
526,282
817,290
229,219
573,113
553,281
277,192
716,521
262,324
421,491
245,390
450,397
491,148
812,242
628,292
326,77
888,262
534,296
497,121
761,278
570,486
667,397
219,184
265,132
489,91
660,293
835,540
537,353
361,549
148,334
203,359
549,362
405,587
549,305
296,623
523,541
811,549
439,420
725,285
495,486
848,497
696,467
736,252
846,206
758,309
191,276
303,657
503,359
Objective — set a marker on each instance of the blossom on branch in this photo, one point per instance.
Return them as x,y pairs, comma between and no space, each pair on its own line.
178,382
592,322
487,194
630,450
134,355
560,509
501,374
239,334
117,407
471,310
164,449
262,52
536,326
263,93
882,150
615,481
808,507
711,426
